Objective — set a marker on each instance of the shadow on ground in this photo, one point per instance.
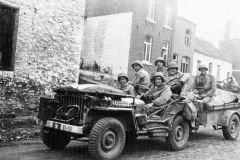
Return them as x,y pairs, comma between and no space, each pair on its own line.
143,147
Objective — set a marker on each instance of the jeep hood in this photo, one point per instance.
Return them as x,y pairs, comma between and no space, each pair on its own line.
91,89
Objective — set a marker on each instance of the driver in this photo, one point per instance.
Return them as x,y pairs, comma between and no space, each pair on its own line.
124,85
159,93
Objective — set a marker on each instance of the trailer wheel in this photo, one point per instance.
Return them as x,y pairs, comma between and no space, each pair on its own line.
231,131
178,137
106,139
54,139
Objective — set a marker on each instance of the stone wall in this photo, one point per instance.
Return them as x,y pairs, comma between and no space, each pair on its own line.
48,50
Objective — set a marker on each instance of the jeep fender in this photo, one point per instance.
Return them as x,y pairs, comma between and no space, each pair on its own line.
223,119
127,118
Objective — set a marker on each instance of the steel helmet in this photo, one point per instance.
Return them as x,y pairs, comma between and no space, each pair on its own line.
158,74
123,75
138,62
172,65
160,59
202,66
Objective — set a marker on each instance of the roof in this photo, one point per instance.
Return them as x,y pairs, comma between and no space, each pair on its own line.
186,20
206,48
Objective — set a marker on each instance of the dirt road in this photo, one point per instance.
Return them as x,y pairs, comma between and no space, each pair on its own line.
205,144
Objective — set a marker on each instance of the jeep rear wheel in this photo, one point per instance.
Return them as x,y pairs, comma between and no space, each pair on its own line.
106,139
178,137
54,139
231,131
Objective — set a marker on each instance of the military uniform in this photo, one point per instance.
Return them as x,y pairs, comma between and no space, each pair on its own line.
163,68
127,88
141,77
177,81
160,95
205,87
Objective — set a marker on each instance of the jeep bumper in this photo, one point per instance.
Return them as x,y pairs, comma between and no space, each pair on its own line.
64,127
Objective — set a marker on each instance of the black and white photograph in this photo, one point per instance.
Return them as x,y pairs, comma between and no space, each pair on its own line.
119,79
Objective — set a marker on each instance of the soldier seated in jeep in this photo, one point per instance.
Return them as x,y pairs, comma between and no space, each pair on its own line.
159,94
124,85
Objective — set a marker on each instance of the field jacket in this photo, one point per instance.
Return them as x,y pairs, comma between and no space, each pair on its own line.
204,85
127,88
161,94
142,77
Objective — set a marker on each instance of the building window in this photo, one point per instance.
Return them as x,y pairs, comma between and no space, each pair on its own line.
8,27
147,48
198,64
218,72
187,40
165,49
210,68
169,14
175,57
151,9
185,64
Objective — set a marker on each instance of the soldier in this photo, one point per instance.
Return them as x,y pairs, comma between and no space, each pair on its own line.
161,65
176,79
230,82
142,77
124,85
204,88
159,93
204,85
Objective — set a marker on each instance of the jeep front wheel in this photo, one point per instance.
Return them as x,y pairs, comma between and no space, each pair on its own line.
54,139
106,139
178,137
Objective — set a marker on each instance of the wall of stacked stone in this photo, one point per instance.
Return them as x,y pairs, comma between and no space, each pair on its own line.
47,50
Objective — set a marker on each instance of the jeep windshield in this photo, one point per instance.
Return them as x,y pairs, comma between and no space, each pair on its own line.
91,89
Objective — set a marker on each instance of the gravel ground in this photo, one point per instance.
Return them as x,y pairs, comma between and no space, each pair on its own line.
206,144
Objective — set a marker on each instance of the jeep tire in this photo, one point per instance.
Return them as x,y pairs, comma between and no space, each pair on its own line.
106,139
231,131
54,139
178,136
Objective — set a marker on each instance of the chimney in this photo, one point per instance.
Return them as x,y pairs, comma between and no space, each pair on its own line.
227,30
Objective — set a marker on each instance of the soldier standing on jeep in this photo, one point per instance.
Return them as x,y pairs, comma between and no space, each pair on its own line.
141,77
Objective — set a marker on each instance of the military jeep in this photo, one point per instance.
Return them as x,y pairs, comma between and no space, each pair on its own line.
108,119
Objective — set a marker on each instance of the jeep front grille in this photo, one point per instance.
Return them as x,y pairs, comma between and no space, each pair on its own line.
67,100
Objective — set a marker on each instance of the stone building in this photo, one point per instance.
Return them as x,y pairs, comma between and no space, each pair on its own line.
40,48
230,49
121,31
183,44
